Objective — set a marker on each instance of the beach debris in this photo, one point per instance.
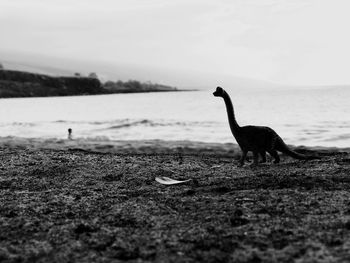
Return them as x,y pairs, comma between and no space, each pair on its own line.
169,181
238,219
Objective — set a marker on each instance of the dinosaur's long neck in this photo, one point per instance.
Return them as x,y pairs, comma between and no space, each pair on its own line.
231,114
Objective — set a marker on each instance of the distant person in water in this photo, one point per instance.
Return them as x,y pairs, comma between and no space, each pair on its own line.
70,134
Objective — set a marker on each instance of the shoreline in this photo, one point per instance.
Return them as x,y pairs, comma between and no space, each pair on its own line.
101,94
143,146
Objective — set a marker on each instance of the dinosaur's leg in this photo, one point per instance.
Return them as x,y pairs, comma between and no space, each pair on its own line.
244,155
274,154
263,156
255,158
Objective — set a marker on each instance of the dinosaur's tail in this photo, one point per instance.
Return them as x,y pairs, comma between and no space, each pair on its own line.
282,147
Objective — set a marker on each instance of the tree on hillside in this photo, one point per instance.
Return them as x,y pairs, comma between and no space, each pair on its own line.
1,66
93,75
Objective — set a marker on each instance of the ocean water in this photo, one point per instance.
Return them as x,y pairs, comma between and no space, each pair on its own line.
313,117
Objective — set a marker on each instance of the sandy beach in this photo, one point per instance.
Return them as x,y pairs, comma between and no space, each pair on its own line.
73,201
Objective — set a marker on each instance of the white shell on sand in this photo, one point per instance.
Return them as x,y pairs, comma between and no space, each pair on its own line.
169,181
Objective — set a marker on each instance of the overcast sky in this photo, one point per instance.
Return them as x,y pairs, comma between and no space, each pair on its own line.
283,41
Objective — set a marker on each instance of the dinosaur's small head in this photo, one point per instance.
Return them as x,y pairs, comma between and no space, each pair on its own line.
219,92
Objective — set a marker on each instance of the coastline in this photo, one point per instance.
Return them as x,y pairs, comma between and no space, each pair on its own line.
143,146
22,84
68,201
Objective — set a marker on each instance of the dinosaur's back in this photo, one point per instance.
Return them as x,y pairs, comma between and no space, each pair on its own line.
257,138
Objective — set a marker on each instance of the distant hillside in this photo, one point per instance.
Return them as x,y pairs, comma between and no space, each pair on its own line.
25,84
183,78
133,86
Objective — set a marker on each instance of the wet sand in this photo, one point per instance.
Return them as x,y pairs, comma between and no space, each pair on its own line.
75,201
